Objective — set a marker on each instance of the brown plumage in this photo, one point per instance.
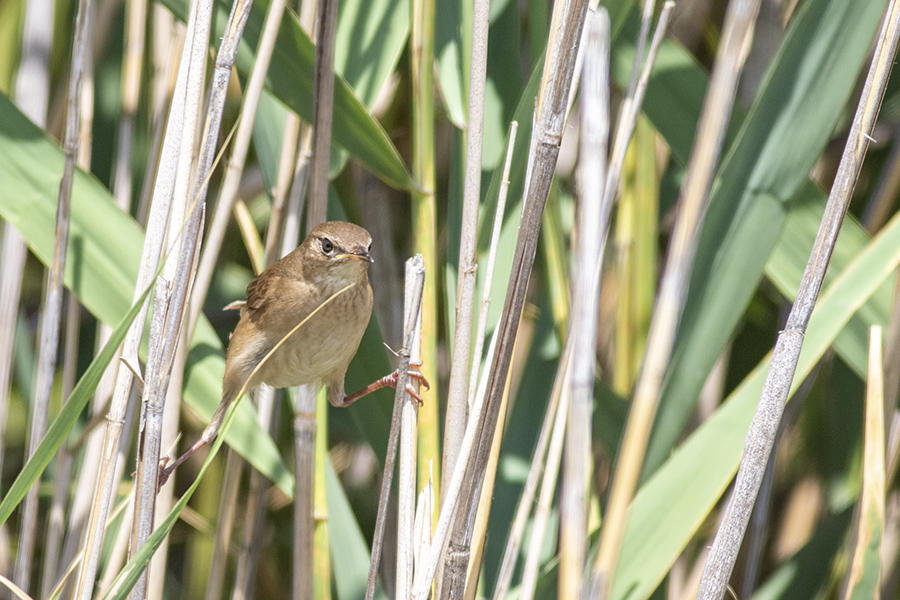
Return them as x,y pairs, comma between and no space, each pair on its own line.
334,255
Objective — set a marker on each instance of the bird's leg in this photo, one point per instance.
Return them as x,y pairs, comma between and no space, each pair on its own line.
390,381
167,469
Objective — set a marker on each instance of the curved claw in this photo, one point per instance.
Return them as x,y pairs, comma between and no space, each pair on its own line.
391,381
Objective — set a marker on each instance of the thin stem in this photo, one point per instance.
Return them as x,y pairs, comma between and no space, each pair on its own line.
566,28
762,431
414,300
51,308
593,215
457,404
322,111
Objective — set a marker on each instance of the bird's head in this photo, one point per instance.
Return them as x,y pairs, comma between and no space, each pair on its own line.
338,252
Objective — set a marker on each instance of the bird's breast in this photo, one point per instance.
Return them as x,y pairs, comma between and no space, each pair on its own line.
324,344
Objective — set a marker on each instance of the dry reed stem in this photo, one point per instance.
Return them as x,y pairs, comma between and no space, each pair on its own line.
12,266
241,145
540,465
51,308
425,571
406,472
170,306
304,484
491,262
254,515
185,217
416,271
62,480
787,348
556,418
304,422
593,216
224,525
566,28
457,401
737,34
132,64
631,106
196,43
323,108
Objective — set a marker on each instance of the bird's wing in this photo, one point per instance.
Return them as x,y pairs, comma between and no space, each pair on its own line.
257,293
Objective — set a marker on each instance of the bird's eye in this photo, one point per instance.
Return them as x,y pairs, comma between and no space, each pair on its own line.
327,246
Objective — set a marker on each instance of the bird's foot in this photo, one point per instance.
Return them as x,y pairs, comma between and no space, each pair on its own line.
164,472
391,381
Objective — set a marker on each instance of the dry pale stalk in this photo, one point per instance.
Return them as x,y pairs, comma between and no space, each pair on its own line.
762,431
51,310
412,311
196,43
457,403
566,28
736,38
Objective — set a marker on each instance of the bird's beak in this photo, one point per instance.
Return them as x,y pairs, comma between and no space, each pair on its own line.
358,253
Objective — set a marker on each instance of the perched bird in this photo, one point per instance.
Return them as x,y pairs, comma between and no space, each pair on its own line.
334,255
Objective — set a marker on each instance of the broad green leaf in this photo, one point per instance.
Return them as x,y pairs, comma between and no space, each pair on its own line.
371,35
801,98
290,79
673,503
370,39
104,252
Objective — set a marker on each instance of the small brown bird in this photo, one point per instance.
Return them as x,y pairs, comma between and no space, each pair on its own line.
333,256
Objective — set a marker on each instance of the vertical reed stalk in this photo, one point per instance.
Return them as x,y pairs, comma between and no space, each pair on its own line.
761,435
424,219
593,207
196,44
51,308
566,27
406,473
322,111
457,402
416,272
